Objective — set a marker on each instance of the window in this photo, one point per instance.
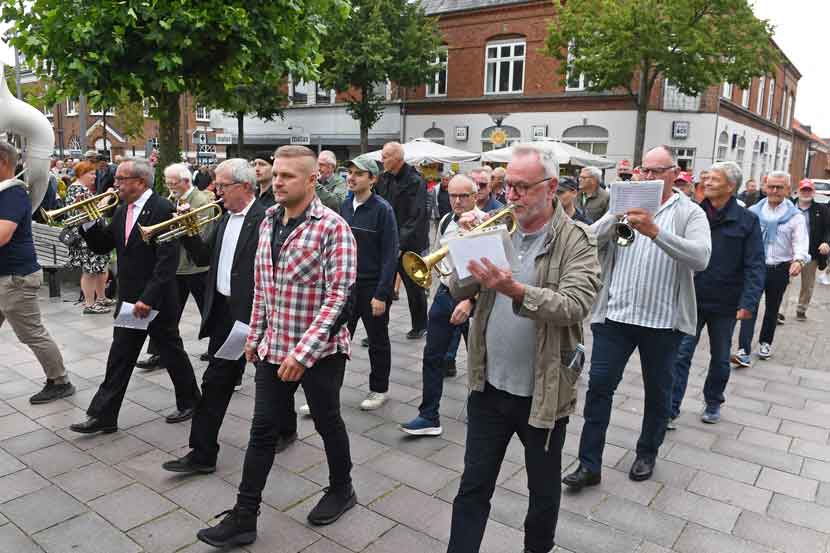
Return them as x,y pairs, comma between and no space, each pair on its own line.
785,161
745,98
723,146
47,111
202,113
789,122
685,158
505,67
435,135
438,85
759,101
147,105
72,107
756,152
383,90
100,112
323,96
770,97
74,143
153,143
727,91
785,113
299,93
739,155
574,81
506,136
590,138
674,100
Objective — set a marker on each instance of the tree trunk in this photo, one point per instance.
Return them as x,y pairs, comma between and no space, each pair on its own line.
169,113
240,131
643,96
364,138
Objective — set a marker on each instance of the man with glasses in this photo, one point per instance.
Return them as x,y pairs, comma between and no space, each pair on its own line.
484,198
647,303
446,315
593,199
146,279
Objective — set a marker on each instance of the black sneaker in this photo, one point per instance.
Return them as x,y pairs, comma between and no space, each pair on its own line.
52,392
332,506
186,465
449,368
284,441
237,528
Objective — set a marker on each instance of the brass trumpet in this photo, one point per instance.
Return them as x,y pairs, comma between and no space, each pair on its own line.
420,268
89,207
185,224
624,233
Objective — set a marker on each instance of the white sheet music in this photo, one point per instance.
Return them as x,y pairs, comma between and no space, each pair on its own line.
234,345
627,195
489,244
126,319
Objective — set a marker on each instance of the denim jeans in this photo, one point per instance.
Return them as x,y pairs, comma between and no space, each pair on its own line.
720,328
321,384
494,416
439,337
778,278
455,341
613,345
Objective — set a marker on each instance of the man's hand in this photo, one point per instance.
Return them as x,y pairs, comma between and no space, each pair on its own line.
251,354
795,268
378,307
183,208
743,315
494,278
291,370
824,248
469,220
141,310
642,221
461,313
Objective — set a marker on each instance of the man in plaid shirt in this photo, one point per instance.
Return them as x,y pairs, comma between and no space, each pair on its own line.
306,265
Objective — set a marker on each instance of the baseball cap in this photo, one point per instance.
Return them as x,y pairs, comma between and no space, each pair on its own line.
365,163
806,183
685,177
568,183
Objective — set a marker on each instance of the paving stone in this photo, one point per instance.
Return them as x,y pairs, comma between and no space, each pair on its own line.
91,481
285,489
18,388
665,471
715,463
816,470
166,437
619,484
279,533
12,540
419,446
786,400
730,492
765,439
823,495
88,533
300,457
763,455
583,502
697,539
57,459
401,539
16,424
131,506
204,496
325,545
801,513
578,534
9,464
22,405
361,448
41,509
368,484
416,510
421,475
356,529
638,520
147,469
779,535
811,449
499,538
797,415
120,450
19,484
806,431
788,484
63,419
26,443
168,533
696,508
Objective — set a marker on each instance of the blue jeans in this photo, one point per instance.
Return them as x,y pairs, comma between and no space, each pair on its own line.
439,337
455,341
613,345
721,328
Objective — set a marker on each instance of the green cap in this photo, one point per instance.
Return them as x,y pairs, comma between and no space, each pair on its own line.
365,163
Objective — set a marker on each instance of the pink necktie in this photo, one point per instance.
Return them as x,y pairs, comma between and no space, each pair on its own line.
130,220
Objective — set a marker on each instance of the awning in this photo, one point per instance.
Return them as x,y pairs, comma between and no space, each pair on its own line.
565,154
421,151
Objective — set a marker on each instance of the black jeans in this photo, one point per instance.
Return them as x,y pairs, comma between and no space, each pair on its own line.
416,297
187,284
377,330
494,416
321,384
778,278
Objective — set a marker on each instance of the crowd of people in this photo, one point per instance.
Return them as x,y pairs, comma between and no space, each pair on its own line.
302,256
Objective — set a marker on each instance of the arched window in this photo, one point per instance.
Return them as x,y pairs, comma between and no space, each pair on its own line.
74,143
739,155
756,152
723,146
435,135
493,138
591,138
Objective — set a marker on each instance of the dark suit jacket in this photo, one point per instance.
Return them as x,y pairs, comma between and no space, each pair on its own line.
207,252
819,230
146,272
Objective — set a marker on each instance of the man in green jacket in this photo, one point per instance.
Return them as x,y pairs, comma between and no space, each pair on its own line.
525,352
331,188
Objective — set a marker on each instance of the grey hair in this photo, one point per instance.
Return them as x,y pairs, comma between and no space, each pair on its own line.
8,154
594,172
180,171
779,175
499,172
466,178
544,156
142,169
240,170
482,169
327,156
730,170
396,147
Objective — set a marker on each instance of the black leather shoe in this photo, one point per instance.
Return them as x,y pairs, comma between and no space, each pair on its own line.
582,478
642,469
284,441
179,415
365,342
449,368
416,334
52,392
93,425
186,465
332,506
237,528
149,364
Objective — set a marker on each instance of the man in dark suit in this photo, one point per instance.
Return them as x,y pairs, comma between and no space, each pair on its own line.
147,279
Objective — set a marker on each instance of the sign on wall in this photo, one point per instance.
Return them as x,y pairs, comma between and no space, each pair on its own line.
461,133
680,129
301,139
539,131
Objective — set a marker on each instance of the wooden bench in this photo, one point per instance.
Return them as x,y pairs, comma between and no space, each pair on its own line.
52,254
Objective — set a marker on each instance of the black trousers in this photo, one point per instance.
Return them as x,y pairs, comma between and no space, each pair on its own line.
187,284
125,349
777,280
321,384
377,330
416,297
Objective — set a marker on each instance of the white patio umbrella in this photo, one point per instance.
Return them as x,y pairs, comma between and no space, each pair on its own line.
564,154
421,151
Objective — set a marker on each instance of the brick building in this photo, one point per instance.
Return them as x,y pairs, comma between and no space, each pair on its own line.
811,154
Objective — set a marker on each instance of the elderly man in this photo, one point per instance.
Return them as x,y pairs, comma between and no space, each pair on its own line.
484,199
525,352
331,188
405,190
624,171
683,183
727,291
265,192
787,251
445,317
497,185
751,194
146,279
647,303
567,192
593,199
817,217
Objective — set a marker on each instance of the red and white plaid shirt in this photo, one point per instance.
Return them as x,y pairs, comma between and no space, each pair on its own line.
297,302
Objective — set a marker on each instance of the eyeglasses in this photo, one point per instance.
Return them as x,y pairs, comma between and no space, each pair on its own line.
482,184
522,188
454,197
655,170
220,185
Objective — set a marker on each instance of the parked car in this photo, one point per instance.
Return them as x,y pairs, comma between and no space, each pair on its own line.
822,190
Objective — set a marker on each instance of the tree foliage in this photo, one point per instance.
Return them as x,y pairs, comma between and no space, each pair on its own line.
630,44
384,40
164,48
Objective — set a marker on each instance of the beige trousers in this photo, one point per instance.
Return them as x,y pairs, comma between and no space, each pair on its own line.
808,281
18,305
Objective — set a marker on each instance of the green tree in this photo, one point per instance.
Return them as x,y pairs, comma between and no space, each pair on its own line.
131,120
164,48
384,40
629,44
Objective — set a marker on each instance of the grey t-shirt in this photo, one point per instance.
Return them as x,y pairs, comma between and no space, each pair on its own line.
511,340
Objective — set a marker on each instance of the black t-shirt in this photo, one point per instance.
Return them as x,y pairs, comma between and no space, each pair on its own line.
282,231
18,256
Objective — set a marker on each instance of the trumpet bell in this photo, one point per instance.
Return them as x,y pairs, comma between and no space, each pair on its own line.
417,269
625,235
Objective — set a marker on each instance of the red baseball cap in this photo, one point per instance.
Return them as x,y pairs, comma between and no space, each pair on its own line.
624,168
806,183
685,177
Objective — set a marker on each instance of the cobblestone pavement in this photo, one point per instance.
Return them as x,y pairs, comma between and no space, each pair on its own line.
757,482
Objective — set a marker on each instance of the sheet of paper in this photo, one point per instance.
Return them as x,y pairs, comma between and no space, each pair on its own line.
627,195
126,319
476,246
234,345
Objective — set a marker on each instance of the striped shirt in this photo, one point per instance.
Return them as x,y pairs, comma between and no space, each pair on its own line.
643,289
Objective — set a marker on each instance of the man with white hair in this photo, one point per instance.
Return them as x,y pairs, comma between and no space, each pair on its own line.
497,185
525,352
484,198
592,199
331,188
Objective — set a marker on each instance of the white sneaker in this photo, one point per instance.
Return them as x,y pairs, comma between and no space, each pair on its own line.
305,410
764,350
823,278
373,401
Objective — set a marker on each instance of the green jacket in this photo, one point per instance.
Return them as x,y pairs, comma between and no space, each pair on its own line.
187,266
332,192
567,283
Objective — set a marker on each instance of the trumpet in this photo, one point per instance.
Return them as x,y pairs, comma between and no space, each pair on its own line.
89,207
420,268
624,233
186,224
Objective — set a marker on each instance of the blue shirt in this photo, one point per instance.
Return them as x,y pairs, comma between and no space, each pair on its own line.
18,256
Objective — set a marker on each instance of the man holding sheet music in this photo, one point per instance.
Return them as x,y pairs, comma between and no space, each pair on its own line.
647,303
525,351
